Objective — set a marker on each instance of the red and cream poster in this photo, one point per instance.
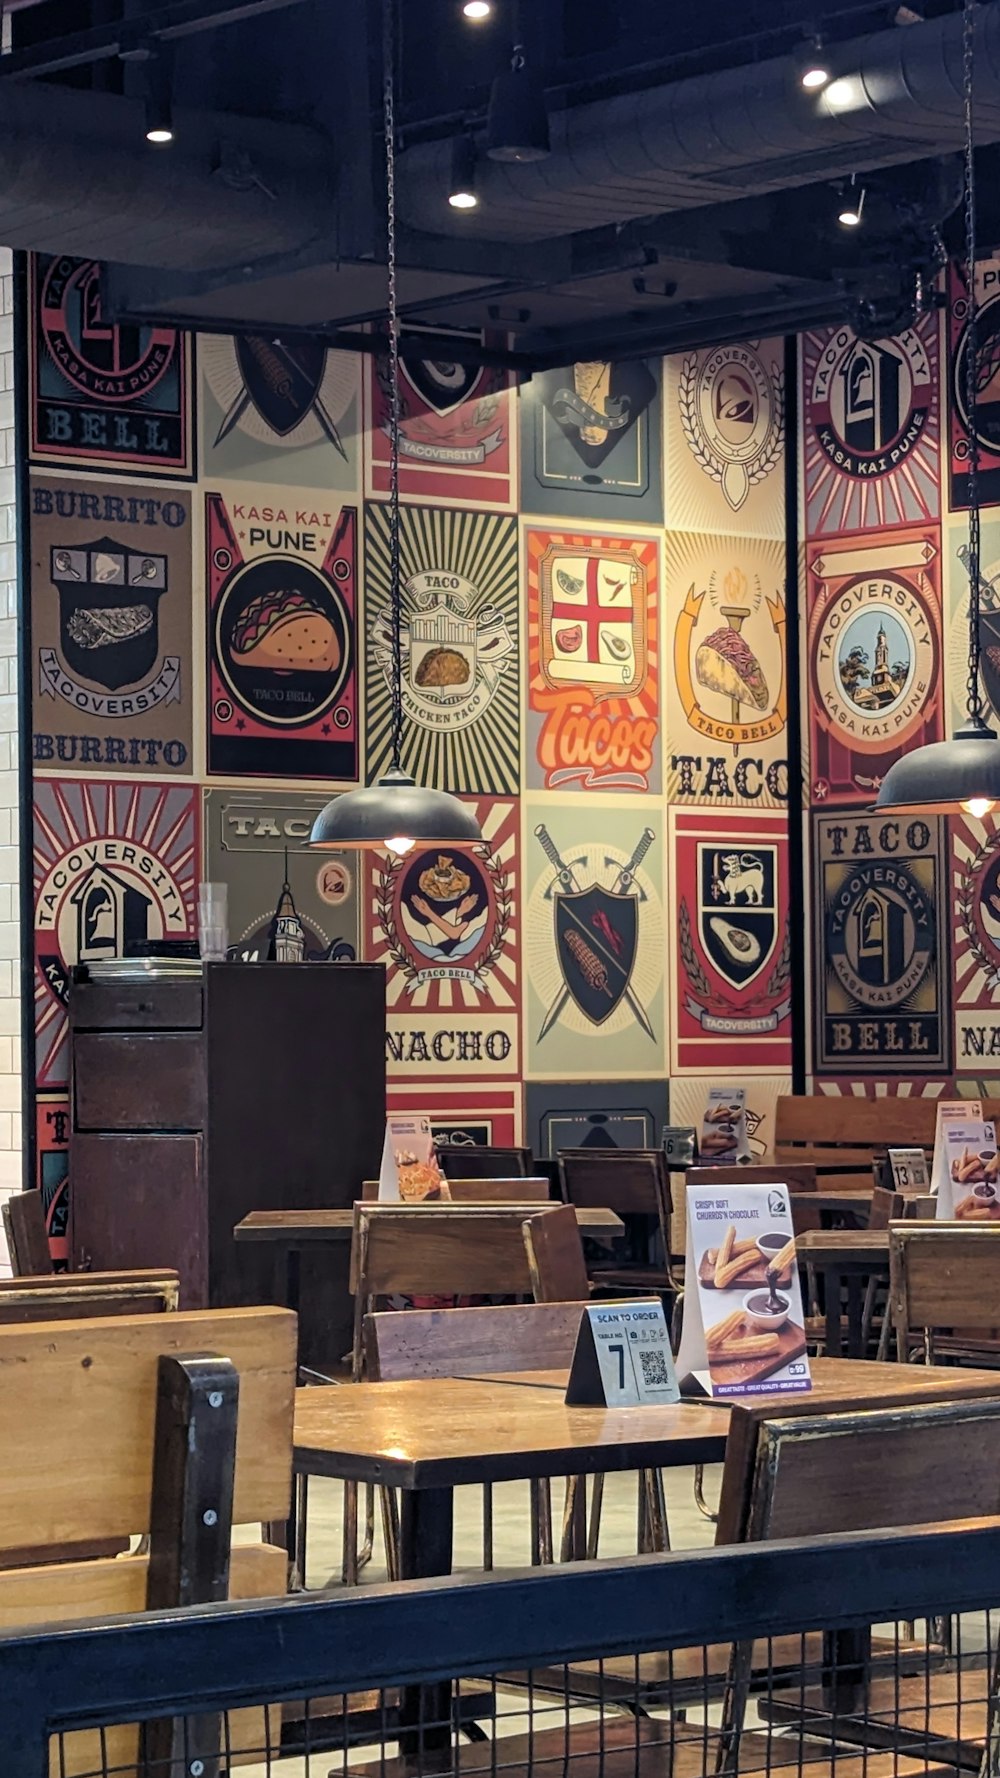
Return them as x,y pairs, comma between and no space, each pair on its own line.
465,1114
593,660
457,430
732,971
875,658
975,886
281,583
446,926
987,402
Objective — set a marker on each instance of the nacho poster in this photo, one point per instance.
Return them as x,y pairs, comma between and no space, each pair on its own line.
446,927
101,392
593,661
874,646
456,430
110,626
732,976
281,583
726,694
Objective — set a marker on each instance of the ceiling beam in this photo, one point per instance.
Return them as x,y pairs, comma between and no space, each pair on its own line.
181,18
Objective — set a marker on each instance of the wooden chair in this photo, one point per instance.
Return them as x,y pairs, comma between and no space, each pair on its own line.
70,1296
944,1290
27,1236
466,1161
78,1405
635,1183
841,1134
481,1191
470,1342
453,1250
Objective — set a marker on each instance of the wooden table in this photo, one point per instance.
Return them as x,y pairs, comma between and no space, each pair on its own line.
296,1229
847,1258
762,1170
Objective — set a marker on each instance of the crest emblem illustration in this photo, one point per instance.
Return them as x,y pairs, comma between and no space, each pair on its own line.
881,939
738,909
445,916
726,692
109,598
986,416
731,413
451,414
452,661
978,908
586,412
593,608
293,392
872,428
596,931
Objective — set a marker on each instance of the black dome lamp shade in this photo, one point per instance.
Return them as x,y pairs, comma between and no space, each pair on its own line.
963,774
395,813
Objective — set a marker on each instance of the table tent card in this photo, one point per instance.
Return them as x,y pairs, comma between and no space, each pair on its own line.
409,1172
724,1127
949,1111
908,1170
622,1357
744,1329
971,1188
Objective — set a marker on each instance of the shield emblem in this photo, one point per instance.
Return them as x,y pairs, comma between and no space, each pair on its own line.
738,909
109,610
989,659
281,377
442,384
596,937
593,619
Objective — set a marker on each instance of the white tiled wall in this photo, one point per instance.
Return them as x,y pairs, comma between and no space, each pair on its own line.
10,987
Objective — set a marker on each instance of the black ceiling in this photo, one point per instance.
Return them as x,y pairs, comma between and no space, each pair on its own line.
757,257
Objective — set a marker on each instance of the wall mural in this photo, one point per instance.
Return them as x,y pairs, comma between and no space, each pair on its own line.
590,442
253,838
103,395
111,625
457,438
593,661
725,419
282,674
726,698
112,862
282,412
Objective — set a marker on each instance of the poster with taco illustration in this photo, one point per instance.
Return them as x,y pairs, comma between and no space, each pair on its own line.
281,576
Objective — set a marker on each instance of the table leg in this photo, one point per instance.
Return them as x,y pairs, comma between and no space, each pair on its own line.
846,1657
426,1528
293,1279
831,1293
855,1318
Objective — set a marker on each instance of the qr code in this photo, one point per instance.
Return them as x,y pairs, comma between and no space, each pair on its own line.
654,1368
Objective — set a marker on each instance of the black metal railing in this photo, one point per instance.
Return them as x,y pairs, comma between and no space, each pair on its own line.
876,1647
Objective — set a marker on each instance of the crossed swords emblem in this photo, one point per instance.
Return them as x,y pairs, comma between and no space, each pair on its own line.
608,964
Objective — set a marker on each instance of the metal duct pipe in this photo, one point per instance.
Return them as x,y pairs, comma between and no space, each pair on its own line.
77,176
897,97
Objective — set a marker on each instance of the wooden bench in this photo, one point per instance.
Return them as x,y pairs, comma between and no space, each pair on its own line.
71,1296
840,1135
81,1415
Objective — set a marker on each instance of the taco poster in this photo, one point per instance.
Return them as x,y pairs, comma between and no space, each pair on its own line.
281,577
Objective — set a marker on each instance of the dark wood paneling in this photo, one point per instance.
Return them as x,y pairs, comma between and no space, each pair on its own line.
155,1006
133,1082
140,1201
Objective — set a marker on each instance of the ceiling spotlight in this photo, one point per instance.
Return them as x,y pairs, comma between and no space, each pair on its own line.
517,123
813,65
159,120
478,10
852,206
462,192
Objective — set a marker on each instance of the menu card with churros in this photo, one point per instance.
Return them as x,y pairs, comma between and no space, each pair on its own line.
744,1329
724,1127
409,1170
949,1111
971,1190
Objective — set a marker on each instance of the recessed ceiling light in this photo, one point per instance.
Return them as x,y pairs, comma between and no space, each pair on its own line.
478,10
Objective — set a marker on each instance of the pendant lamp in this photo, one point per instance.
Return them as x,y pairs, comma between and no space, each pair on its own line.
962,774
395,814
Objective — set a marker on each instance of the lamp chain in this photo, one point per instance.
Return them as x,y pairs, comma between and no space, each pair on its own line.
392,318
974,702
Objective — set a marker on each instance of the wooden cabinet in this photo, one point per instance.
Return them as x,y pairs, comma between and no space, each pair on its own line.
260,1087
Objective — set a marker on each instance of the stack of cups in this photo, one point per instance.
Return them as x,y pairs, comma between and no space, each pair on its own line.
213,922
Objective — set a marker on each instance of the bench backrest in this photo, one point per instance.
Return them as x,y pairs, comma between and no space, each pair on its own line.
896,1121
470,1342
630,1181
72,1296
27,1236
470,1162
943,1276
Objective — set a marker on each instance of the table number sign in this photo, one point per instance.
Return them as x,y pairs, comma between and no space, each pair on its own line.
908,1168
949,1111
680,1144
744,1329
724,1127
622,1357
409,1172
971,1188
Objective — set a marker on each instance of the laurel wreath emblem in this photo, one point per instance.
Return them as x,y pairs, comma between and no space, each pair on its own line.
386,875
712,464
777,981
966,899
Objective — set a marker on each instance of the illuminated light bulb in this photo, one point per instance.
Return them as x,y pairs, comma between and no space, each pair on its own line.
979,806
814,77
463,200
477,10
399,846
848,219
